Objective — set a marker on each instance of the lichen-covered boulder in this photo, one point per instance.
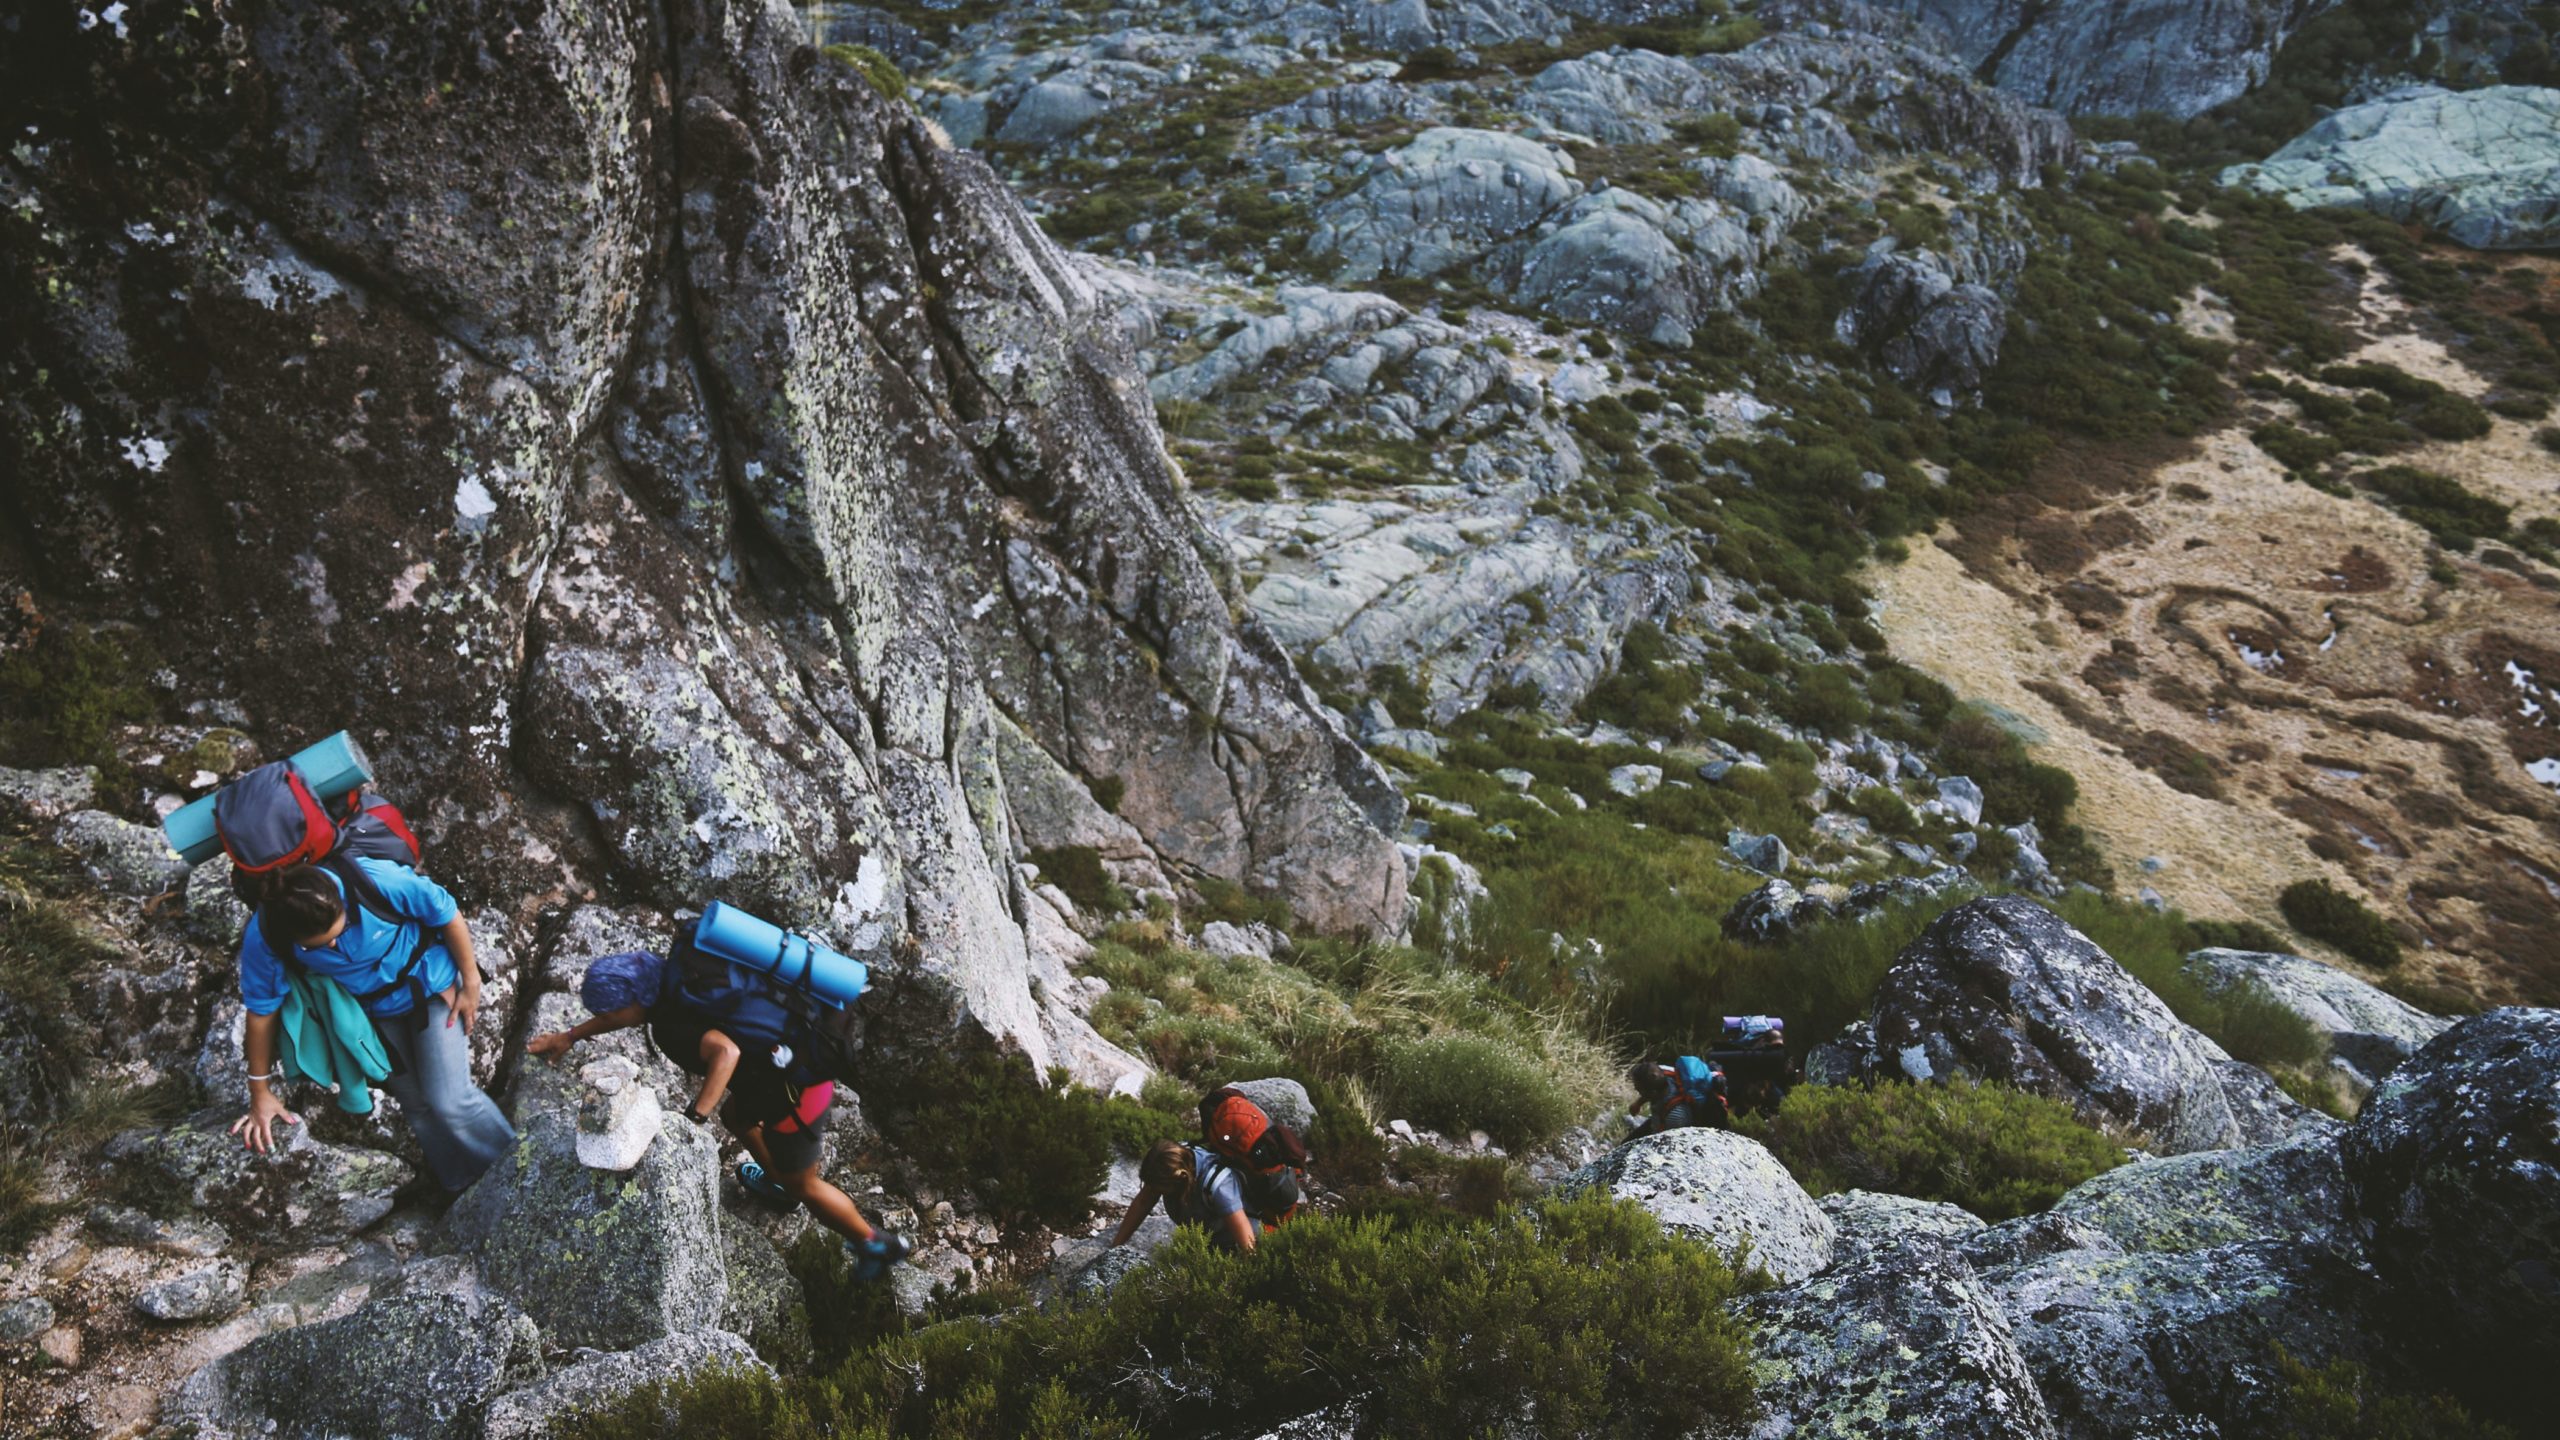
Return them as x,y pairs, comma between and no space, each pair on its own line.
126,858
1443,200
601,1380
207,1292
2002,989
766,1305
1284,1100
2295,1190
1903,1340
42,795
598,1258
2455,1165
2483,166
2184,1342
422,1361
1869,1220
1934,333
2368,1030
1721,1188
1771,913
305,1190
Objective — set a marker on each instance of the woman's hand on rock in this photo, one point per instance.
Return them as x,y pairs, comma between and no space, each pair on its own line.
257,1128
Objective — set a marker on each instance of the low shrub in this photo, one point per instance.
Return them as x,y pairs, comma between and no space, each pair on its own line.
68,691
2440,504
1436,1038
877,70
2342,1401
1580,1312
2259,1029
983,1124
1997,1151
2326,913
1456,1082
1077,870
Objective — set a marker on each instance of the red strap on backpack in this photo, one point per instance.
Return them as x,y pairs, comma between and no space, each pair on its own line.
319,833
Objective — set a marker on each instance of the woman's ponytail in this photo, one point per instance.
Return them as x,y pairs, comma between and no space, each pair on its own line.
1169,1170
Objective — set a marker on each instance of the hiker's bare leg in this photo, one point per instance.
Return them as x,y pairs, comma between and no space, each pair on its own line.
832,1207
751,1136
719,1062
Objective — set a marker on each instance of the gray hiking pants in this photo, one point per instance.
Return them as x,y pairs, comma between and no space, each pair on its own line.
462,1130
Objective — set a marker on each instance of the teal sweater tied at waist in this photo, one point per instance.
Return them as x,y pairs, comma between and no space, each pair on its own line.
324,1036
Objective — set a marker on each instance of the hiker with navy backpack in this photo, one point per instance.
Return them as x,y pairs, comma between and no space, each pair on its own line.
355,968
1244,1176
756,1013
1688,1091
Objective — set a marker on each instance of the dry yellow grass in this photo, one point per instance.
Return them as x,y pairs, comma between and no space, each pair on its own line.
2346,702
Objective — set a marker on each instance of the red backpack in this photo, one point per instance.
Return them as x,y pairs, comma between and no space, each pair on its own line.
1267,1155
269,819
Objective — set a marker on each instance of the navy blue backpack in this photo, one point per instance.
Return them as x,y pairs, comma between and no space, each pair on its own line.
764,1015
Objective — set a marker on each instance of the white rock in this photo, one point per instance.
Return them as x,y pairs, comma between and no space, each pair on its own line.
618,1116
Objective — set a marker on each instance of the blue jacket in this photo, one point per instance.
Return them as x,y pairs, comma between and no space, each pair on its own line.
370,952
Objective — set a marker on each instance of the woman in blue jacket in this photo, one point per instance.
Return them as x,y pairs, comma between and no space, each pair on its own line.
402,948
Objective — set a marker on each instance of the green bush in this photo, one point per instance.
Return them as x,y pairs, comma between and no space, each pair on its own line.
2293,448
985,1125
1579,1312
2258,1029
1998,1152
877,70
1354,1020
2342,1401
1456,1082
2324,912
1077,870
66,694
2440,504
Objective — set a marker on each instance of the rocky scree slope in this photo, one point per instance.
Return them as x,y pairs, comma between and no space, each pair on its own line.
677,465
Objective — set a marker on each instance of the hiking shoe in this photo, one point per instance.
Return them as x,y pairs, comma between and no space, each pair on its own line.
873,1257
752,1178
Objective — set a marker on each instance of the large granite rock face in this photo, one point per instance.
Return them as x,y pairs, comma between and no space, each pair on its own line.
2002,989
2117,57
2455,1166
1722,1188
654,439
2368,1031
1936,335
423,1360
2482,166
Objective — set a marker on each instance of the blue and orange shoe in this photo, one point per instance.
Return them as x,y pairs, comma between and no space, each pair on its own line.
754,1181
873,1257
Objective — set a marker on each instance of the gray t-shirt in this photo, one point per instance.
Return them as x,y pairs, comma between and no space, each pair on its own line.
1219,1194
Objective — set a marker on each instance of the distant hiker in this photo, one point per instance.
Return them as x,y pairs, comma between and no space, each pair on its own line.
1243,1177
391,940
766,1072
1688,1091
1752,1052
